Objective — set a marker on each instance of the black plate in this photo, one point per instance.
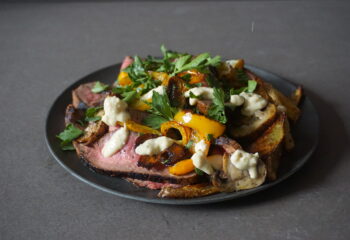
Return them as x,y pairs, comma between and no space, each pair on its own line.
305,133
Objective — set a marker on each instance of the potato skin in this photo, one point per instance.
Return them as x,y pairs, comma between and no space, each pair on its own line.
270,145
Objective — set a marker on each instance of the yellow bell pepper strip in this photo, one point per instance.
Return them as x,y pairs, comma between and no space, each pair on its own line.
181,168
139,128
139,105
184,131
124,79
200,124
196,76
160,76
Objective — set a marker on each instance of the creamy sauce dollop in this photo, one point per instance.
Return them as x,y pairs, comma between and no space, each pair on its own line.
203,92
252,103
116,142
245,161
199,158
149,94
154,146
114,110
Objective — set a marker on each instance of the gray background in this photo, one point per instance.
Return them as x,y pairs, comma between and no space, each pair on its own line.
46,47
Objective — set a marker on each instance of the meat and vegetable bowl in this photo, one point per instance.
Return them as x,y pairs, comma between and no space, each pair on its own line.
188,126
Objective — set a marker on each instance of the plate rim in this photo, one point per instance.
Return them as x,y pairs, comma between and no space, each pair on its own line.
191,201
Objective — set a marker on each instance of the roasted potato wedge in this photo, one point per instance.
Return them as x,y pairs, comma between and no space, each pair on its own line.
188,191
288,140
260,88
297,95
252,127
269,145
293,112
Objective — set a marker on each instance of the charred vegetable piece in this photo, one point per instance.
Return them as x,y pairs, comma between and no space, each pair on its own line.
176,131
203,106
228,144
73,116
93,132
175,92
173,154
150,162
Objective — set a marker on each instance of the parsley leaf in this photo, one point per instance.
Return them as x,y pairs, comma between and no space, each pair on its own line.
129,96
217,108
160,106
68,135
200,62
99,87
210,137
90,114
154,121
251,86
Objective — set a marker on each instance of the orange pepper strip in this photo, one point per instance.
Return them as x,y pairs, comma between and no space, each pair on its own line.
184,131
196,76
181,168
124,79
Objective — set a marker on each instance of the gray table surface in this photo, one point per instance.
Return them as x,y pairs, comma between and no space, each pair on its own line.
46,47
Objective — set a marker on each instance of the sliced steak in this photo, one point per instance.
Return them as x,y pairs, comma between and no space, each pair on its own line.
151,185
124,163
84,98
126,62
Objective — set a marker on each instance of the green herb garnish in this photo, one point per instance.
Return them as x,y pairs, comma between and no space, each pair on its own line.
199,172
210,137
161,111
192,95
217,108
249,88
90,114
99,87
154,121
68,135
